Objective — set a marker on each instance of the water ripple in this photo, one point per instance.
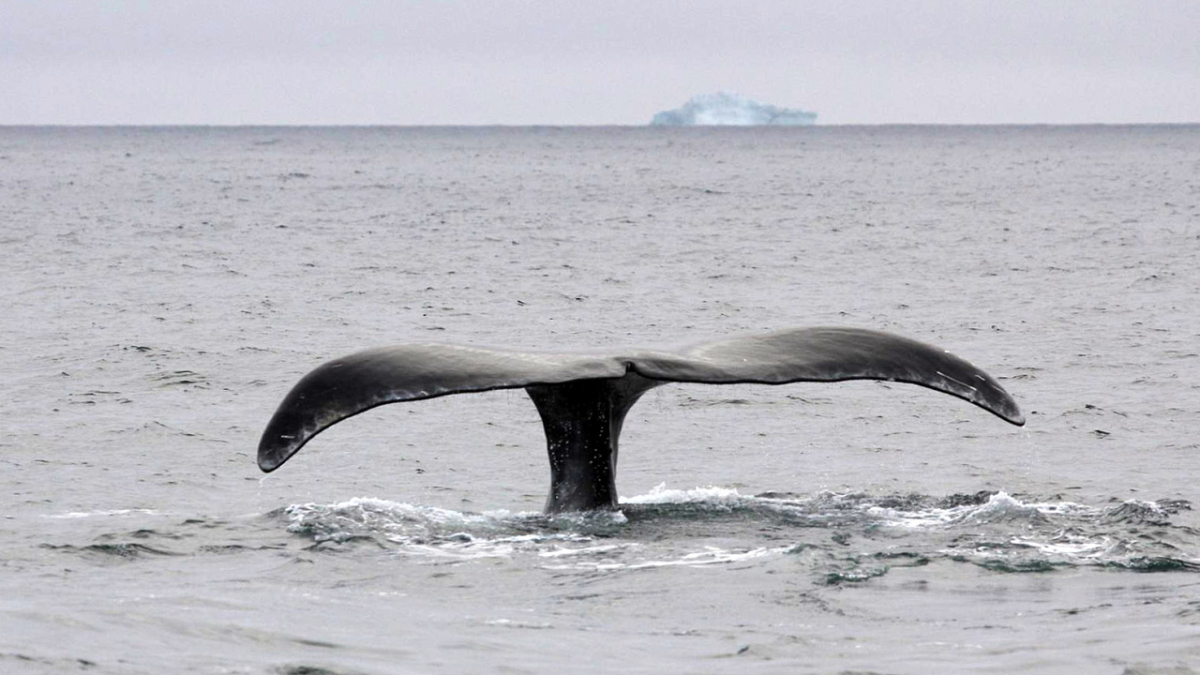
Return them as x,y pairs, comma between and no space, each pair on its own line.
845,538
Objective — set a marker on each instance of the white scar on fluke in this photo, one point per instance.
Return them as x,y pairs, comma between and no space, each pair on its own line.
583,399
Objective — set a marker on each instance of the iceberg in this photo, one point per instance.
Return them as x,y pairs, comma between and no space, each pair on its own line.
726,108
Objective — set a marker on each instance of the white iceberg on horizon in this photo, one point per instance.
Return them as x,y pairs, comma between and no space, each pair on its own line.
726,108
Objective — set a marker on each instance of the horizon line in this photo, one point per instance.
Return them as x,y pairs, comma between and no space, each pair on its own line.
544,125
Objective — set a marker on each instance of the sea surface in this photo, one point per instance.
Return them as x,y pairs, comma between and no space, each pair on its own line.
163,288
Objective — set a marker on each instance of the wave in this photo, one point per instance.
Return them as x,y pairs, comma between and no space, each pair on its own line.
843,537
838,538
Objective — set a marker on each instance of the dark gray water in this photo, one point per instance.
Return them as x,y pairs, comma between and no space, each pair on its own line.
164,288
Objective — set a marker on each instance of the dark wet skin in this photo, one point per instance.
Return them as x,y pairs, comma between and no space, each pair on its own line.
583,399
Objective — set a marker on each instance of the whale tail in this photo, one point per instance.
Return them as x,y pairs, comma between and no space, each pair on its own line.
583,399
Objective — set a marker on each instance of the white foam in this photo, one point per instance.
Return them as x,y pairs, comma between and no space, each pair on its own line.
1003,526
1074,546
112,512
999,507
432,532
711,555
370,508
509,623
586,550
711,495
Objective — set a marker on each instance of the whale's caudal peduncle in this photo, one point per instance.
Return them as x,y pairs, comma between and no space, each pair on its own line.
583,399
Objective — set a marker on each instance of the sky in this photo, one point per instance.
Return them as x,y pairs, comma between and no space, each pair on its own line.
595,62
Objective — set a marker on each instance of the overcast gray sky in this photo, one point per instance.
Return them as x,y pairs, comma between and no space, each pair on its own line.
595,62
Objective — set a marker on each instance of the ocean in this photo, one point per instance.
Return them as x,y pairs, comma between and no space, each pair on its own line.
165,287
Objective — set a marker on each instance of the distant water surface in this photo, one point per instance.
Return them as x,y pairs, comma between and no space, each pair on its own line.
164,288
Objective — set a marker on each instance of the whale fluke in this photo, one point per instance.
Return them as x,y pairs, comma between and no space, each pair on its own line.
583,399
